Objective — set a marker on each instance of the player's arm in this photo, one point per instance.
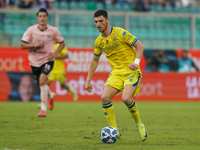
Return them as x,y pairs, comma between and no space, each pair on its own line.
54,54
139,52
60,47
139,49
63,56
26,38
26,45
130,39
58,38
93,65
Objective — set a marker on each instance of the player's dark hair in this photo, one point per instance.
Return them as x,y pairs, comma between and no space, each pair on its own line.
42,10
101,12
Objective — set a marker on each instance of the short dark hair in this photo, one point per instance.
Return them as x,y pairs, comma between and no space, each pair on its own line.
101,12
42,10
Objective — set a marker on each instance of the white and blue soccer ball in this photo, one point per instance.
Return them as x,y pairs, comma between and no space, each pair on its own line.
109,134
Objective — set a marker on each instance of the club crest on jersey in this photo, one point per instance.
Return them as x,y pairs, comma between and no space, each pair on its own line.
49,36
124,33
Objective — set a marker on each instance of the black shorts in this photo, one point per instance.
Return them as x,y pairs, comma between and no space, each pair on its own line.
45,68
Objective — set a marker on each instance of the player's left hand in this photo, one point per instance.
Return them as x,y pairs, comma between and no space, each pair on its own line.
51,56
133,66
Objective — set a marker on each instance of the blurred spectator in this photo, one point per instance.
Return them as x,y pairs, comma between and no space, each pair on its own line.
2,15
185,3
171,2
10,3
151,66
35,5
185,63
120,1
163,2
25,4
51,5
48,4
161,61
166,62
2,4
160,2
143,5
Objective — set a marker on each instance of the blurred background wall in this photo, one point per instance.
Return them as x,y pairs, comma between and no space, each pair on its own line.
167,29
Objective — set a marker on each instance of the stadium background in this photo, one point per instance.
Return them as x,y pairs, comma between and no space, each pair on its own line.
163,27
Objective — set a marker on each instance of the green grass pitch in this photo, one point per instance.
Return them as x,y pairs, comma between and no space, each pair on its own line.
77,126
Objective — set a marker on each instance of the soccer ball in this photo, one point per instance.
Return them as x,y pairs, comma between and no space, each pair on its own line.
108,135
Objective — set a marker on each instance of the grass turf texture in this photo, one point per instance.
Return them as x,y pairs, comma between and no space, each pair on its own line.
77,126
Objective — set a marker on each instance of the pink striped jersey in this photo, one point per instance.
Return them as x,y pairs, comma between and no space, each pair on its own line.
51,35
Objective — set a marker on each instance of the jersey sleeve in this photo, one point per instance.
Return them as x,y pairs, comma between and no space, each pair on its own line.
58,37
127,37
97,50
27,36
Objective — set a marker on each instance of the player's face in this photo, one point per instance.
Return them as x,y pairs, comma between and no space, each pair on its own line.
101,23
42,18
184,56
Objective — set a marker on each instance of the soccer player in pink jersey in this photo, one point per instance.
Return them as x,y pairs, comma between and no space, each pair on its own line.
40,40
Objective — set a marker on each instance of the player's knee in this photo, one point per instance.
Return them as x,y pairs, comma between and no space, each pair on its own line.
42,82
105,99
127,100
63,86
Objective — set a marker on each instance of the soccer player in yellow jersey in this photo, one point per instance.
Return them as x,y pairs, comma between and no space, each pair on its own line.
123,51
58,73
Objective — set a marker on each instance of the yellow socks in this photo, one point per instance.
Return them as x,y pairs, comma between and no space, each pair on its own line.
68,88
110,114
134,112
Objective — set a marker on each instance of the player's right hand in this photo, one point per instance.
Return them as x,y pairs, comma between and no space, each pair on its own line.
88,86
39,44
133,66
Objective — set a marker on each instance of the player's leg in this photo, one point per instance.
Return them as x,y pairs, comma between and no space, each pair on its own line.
44,88
71,91
36,74
130,103
131,89
51,95
43,94
132,107
62,80
112,86
108,108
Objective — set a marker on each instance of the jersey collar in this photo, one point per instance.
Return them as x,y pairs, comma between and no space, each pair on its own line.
110,32
44,29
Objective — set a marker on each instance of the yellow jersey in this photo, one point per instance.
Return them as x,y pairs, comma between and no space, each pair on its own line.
59,66
118,47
